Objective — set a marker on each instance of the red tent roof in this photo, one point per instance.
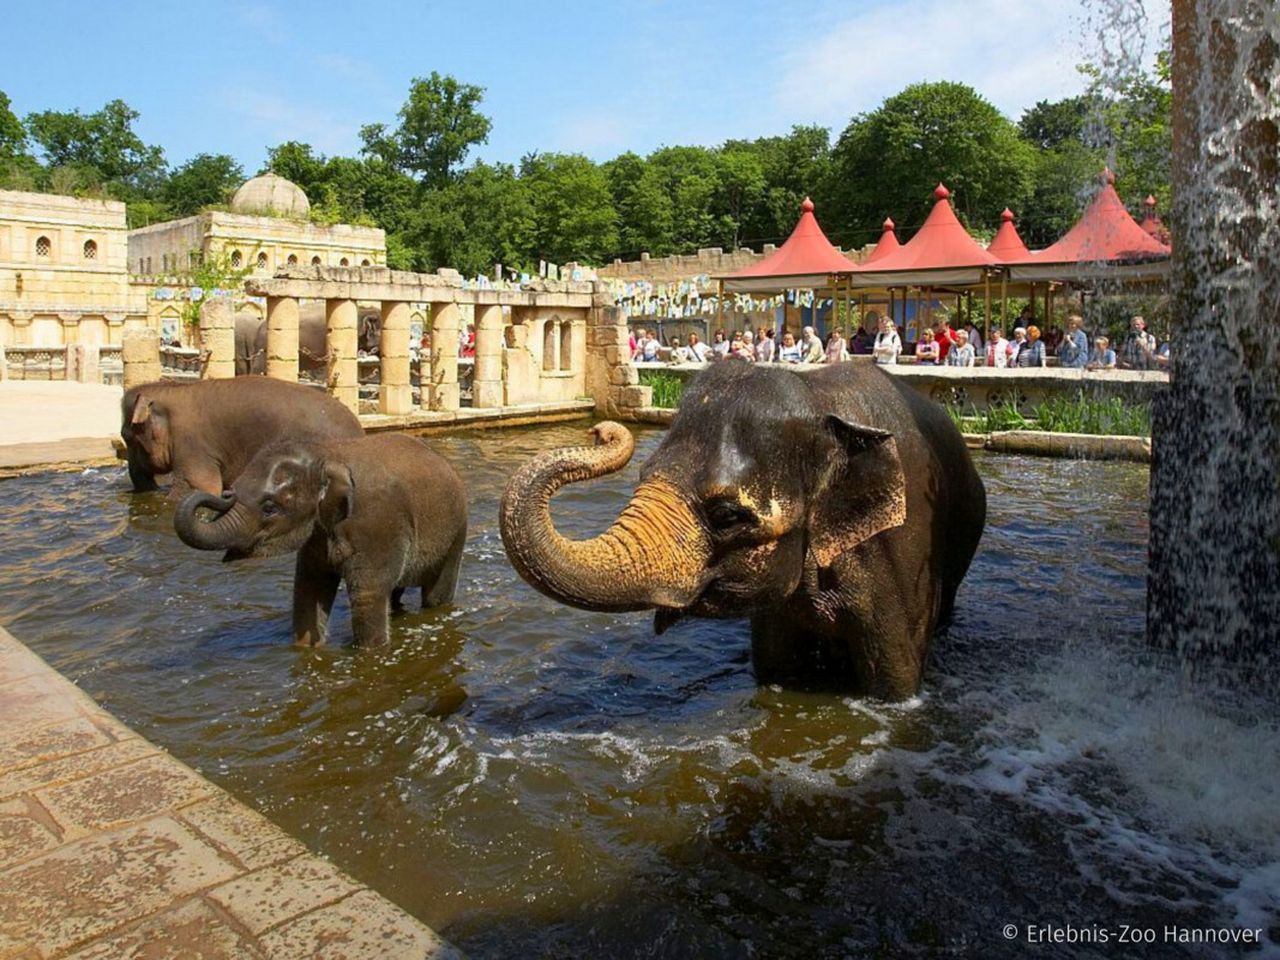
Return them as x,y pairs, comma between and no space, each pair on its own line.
1105,232
807,252
888,243
1152,223
941,243
1007,245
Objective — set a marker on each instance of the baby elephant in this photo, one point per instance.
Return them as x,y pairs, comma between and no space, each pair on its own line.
382,512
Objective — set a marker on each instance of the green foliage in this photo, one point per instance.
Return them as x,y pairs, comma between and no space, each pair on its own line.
1112,416
204,180
889,161
667,388
13,136
439,124
103,142
572,206
208,275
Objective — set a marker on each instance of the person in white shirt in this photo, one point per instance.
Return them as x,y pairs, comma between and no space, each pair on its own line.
975,337
997,349
697,349
649,349
790,351
888,344
765,347
680,354
811,347
961,353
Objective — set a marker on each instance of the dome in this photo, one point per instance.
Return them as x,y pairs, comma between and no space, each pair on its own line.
273,196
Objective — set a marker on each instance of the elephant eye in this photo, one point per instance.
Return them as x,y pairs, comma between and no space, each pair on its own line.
726,514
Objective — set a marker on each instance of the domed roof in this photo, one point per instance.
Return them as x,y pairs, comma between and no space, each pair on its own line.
271,195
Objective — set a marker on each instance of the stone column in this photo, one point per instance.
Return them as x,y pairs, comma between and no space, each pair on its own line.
4,364
487,388
552,343
612,379
341,332
218,338
1213,584
443,393
140,352
395,395
282,338
83,363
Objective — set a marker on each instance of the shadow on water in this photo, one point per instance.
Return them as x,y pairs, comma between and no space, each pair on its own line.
539,781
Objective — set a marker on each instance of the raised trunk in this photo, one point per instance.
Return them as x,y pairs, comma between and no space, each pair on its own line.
654,555
230,530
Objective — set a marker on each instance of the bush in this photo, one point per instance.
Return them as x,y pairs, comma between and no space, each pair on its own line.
1061,414
667,388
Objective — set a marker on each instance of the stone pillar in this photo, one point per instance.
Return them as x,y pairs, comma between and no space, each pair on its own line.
1213,584
443,393
341,332
395,395
140,352
612,379
282,338
487,387
552,343
83,363
4,364
218,338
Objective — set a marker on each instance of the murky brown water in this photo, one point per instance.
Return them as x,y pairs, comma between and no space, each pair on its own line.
537,781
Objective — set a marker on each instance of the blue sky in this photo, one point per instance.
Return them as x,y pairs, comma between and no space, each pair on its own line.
237,76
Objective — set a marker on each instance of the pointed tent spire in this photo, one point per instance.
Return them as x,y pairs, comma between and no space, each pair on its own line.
887,244
807,258
1007,245
1105,232
941,245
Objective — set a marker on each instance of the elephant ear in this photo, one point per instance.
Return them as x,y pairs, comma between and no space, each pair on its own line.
141,412
337,496
865,492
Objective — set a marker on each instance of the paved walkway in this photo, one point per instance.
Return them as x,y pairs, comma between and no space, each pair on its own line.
112,849
56,422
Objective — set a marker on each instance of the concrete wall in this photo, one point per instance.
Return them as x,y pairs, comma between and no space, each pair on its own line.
709,260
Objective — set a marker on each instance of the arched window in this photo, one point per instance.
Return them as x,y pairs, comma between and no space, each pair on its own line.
315,261
550,344
236,259
43,247
164,263
344,262
262,261
365,263
293,260
566,346
90,250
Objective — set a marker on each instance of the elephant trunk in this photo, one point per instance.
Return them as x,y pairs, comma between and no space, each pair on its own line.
654,555
231,529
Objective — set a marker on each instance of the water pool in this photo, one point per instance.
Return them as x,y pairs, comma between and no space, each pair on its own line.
533,780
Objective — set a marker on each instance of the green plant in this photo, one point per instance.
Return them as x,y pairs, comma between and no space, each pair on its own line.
667,388
1080,414
208,275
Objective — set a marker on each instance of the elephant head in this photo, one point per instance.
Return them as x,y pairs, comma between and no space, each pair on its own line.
273,507
753,490
145,430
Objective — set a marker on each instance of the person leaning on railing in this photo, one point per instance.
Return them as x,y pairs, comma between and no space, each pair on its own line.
961,355
997,349
888,345
1032,353
1073,351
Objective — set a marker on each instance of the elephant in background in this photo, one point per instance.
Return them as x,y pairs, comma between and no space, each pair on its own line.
838,509
383,513
205,432
251,338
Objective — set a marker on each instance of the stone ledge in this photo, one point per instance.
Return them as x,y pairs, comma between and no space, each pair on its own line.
1081,446
109,847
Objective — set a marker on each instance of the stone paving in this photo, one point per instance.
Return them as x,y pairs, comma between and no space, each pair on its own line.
110,849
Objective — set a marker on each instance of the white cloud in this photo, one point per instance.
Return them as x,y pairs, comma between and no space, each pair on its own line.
1013,52
597,133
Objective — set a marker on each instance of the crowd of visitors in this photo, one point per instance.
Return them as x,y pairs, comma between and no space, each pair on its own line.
940,344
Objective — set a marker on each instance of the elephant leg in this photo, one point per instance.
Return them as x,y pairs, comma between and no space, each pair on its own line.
315,585
441,584
370,614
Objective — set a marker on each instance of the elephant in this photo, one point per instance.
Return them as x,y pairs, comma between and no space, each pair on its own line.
251,338
382,513
205,432
838,509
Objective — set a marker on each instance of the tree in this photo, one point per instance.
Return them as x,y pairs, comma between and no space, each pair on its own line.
204,180
439,124
1048,124
573,212
485,216
104,142
13,138
889,161
794,167
740,189
296,162
645,212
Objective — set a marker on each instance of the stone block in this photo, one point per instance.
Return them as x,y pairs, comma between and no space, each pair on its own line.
363,925
43,743
34,776
22,836
267,897
122,795
395,400
631,397
625,375
487,393
192,929
445,396
234,829
92,886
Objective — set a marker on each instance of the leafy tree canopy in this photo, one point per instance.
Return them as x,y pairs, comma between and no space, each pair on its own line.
202,181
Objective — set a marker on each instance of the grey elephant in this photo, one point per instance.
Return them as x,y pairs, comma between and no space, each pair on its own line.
383,513
205,432
838,509
251,338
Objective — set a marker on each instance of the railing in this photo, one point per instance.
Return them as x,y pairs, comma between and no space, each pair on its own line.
111,363
370,376
36,363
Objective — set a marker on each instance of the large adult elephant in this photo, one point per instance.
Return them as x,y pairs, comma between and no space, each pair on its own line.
838,509
205,432
251,338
